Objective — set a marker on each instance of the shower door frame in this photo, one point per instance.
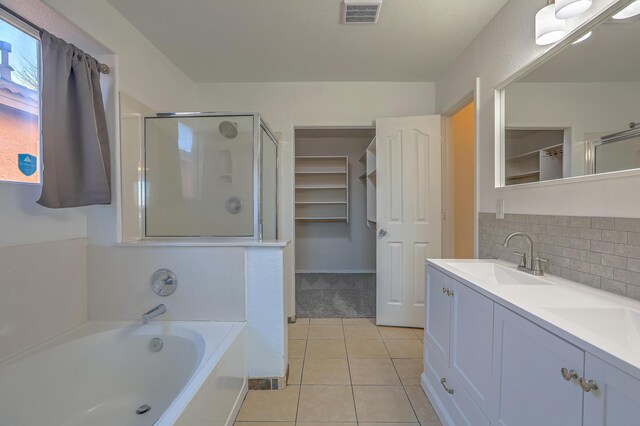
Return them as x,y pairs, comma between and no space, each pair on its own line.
258,124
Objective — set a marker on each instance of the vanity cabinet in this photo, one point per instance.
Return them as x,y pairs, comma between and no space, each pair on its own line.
485,364
617,399
528,385
458,331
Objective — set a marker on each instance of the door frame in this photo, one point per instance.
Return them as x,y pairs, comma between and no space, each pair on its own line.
290,293
448,241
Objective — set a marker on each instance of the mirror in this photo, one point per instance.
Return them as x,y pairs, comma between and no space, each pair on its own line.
575,114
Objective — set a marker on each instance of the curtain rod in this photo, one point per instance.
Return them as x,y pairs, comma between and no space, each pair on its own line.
102,68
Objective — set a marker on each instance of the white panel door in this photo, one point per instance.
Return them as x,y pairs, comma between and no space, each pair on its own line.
617,399
527,380
409,211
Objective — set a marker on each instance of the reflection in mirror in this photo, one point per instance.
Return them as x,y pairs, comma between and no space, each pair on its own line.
574,114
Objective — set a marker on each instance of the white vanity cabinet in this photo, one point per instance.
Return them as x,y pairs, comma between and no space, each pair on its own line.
528,384
617,399
458,355
489,360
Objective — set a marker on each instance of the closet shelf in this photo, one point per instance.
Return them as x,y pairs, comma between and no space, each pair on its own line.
322,219
322,187
321,172
315,178
524,175
320,202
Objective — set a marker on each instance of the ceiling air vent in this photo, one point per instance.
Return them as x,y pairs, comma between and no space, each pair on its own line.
361,11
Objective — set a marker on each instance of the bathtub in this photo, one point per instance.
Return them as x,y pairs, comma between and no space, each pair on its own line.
103,373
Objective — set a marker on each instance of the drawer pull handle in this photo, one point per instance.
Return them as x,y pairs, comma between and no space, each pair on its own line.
443,382
568,374
587,385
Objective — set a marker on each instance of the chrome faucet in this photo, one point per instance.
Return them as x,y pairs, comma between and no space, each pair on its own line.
534,267
158,310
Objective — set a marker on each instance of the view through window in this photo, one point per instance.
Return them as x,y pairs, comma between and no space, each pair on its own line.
19,104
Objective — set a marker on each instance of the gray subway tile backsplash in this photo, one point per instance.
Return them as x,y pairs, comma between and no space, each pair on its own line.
601,252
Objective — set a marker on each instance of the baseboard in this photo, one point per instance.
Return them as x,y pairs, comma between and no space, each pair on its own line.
335,271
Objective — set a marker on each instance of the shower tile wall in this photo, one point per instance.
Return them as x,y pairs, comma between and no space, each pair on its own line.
335,295
601,252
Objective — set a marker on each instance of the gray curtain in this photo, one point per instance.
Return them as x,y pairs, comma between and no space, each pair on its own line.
75,142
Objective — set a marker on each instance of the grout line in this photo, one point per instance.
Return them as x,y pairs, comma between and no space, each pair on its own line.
353,394
402,384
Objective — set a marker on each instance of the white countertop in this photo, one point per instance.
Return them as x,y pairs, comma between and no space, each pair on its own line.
537,302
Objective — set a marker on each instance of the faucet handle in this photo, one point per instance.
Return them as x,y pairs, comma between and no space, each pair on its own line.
523,258
537,264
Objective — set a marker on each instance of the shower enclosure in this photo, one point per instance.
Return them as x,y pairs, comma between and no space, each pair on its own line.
209,175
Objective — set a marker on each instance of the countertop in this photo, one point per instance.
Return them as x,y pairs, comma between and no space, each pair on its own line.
621,350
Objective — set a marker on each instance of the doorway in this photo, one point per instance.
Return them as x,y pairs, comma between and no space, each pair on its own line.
335,245
459,188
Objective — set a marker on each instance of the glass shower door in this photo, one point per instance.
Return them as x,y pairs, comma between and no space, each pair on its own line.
269,186
199,176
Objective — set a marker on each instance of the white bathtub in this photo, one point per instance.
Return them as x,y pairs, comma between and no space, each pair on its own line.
101,372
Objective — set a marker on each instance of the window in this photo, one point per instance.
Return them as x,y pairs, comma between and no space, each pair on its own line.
19,102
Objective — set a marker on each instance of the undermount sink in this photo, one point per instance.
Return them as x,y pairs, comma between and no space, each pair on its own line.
493,273
619,325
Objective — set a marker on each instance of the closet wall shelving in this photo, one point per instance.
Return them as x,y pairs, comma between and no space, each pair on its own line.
322,189
534,166
369,179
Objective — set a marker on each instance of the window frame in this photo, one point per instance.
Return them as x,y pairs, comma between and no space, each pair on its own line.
29,30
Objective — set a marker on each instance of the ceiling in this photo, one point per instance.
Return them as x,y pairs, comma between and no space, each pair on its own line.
303,40
610,55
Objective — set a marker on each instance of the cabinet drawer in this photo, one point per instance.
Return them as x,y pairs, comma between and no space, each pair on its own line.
458,406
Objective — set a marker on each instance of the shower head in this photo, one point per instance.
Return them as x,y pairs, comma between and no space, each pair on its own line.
228,129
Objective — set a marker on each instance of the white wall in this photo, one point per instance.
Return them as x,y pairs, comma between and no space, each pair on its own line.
44,292
338,246
139,70
502,49
286,105
587,108
209,285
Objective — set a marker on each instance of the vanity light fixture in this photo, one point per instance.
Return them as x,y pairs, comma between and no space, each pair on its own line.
628,12
549,29
583,38
569,8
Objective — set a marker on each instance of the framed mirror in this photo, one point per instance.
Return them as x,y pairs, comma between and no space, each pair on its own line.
578,112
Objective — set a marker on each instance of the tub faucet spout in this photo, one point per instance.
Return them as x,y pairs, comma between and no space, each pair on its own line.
158,310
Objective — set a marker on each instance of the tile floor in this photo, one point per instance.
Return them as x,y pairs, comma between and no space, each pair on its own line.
346,372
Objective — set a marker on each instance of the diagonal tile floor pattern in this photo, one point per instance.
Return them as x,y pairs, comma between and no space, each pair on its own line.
346,372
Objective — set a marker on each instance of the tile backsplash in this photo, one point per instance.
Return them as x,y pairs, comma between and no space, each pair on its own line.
601,252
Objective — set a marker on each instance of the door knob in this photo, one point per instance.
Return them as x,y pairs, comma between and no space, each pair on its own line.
382,232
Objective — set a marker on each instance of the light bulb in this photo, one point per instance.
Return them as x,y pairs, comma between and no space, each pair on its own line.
549,29
632,10
569,8
583,38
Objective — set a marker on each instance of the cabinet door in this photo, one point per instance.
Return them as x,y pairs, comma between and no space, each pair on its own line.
438,315
472,343
617,399
528,386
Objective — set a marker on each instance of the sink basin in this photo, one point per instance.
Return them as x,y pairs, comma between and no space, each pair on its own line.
619,325
493,273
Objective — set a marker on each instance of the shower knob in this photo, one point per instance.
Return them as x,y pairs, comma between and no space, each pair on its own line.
234,205
164,282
